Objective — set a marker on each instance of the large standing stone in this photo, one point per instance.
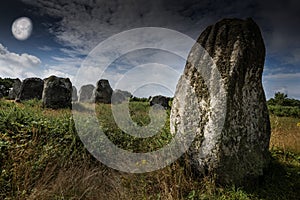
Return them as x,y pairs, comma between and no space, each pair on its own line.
31,88
74,94
120,96
57,92
160,100
103,92
227,113
86,93
13,93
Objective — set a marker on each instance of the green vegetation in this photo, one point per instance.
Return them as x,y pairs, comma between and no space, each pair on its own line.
138,99
284,111
41,157
283,106
139,113
5,85
281,99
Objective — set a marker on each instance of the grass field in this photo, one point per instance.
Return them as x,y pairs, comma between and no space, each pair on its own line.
41,157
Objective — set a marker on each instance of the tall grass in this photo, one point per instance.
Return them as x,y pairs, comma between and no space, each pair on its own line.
42,157
285,133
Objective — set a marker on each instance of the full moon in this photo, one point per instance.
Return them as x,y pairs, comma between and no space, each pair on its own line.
22,28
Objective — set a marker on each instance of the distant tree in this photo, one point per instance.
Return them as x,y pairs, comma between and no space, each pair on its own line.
5,85
139,99
281,99
271,102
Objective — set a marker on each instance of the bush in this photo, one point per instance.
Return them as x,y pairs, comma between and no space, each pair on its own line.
139,99
5,85
284,111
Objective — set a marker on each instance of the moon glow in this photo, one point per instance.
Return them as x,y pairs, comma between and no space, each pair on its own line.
22,28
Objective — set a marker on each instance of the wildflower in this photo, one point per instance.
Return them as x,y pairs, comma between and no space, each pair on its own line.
298,124
142,162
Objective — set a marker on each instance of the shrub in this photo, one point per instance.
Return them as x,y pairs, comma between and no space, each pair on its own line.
284,111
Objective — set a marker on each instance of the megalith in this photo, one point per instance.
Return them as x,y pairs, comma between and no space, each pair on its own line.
103,92
86,93
225,104
57,93
31,88
13,93
160,100
120,96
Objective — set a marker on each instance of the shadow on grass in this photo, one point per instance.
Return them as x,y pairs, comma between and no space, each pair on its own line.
282,179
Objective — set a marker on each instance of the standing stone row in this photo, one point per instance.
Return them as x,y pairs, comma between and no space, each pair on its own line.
55,92
102,93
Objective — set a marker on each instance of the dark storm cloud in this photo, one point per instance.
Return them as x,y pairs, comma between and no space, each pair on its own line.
86,23
280,24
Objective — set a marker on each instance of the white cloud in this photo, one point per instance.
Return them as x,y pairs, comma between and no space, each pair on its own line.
154,74
282,82
63,67
18,65
161,52
283,76
45,48
66,67
24,66
50,71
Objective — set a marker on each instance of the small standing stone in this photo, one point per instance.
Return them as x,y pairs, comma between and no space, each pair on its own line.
74,94
13,93
120,96
86,93
103,92
160,100
2,91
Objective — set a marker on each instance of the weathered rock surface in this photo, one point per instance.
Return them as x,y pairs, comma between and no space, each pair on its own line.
103,92
225,105
57,93
13,93
31,88
120,96
74,94
160,100
2,91
86,93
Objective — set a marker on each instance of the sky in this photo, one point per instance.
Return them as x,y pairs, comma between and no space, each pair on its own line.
66,32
